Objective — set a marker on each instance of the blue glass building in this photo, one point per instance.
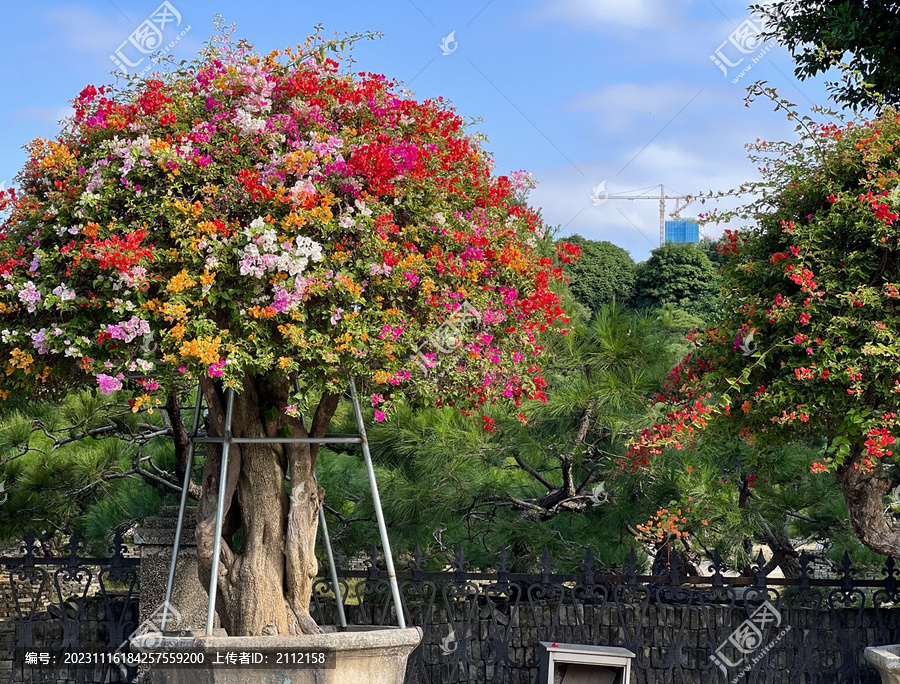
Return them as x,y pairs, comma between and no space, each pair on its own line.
683,230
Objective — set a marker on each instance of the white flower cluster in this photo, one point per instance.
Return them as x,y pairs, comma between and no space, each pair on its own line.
64,293
264,253
247,123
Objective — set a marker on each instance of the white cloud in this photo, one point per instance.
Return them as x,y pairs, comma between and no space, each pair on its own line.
87,31
101,34
611,13
46,115
635,105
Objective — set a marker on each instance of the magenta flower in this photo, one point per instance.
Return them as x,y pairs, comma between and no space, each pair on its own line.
215,369
108,384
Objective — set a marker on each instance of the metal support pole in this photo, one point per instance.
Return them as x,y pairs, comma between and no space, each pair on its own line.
184,494
329,553
220,513
335,583
329,439
379,514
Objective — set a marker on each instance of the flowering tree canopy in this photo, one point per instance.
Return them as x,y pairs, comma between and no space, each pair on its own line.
810,348
263,223
256,214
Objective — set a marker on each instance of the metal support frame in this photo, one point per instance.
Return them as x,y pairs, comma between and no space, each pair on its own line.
220,515
335,582
379,514
195,426
226,441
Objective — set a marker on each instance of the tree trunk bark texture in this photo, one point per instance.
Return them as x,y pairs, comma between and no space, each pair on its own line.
864,492
267,562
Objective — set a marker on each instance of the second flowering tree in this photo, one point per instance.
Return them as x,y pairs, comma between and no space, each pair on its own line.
809,350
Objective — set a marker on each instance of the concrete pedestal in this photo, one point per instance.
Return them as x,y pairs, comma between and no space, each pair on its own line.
187,609
886,659
368,656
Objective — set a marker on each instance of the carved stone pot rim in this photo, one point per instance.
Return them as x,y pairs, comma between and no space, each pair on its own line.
373,655
353,637
886,659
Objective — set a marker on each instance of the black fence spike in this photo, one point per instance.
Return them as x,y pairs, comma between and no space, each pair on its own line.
674,569
590,568
373,563
760,571
546,566
845,562
416,565
846,575
503,567
631,573
460,565
804,571
891,585
718,565
74,540
28,550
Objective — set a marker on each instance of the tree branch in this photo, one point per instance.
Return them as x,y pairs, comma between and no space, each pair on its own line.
534,473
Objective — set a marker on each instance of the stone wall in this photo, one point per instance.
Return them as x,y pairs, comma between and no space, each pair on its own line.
155,538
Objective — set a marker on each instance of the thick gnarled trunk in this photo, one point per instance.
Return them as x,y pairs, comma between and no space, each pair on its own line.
267,561
864,492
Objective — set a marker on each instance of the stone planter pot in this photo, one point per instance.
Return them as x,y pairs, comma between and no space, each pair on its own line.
360,656
886,659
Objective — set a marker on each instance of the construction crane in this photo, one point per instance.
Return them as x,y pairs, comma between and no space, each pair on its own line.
662,205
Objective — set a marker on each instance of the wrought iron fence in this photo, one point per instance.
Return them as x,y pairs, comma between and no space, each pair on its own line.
485,626
63,603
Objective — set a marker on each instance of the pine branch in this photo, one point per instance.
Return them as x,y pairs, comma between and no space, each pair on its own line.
534,473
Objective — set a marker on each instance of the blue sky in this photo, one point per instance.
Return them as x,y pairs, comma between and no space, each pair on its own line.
576,91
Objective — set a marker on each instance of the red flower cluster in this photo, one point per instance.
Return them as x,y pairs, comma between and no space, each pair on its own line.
682,426
119,253
568,252
728,244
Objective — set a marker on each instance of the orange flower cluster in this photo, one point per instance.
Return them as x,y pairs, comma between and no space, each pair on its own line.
205,349
664,523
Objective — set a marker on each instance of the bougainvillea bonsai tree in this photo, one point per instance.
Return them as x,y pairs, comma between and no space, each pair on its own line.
810,348
251,222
